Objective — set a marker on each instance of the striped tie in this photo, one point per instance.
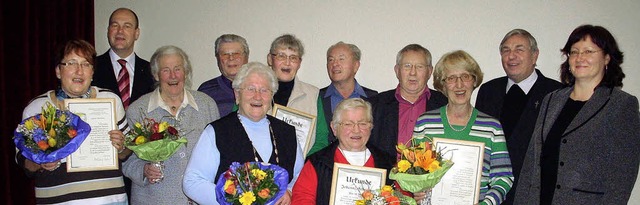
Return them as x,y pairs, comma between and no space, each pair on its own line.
123,83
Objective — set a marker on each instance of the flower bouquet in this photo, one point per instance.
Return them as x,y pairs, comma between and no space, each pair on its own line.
420,167
51,135
154,141
252,183
385,196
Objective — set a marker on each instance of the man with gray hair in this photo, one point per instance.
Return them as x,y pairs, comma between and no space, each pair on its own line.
232,51
514,99
396,111
343,62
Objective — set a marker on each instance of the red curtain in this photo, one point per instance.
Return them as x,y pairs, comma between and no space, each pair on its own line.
31,29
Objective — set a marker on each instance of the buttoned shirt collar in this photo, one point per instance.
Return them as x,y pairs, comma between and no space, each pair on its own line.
525,84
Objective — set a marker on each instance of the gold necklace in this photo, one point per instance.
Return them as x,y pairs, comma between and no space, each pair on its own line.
449,121
273,140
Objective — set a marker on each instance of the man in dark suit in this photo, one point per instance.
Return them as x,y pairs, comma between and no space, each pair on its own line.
395,111
122,33
343,62
515,99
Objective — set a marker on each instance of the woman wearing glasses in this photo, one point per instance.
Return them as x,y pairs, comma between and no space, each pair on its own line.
351,124
456,75
244,136
584,146
53,184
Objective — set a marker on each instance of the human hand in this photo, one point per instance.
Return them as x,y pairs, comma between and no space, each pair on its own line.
152,173
419,196
117,140
51,165
285,199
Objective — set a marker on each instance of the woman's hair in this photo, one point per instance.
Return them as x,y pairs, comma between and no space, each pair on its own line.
259,69
600,36
456,60
171,50
351,104
81,48
287,41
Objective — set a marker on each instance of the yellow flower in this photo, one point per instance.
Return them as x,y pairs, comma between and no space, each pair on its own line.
51,142
163,126
247,198
387,188
360,202
230,187
63,117
29,124
259,174
52,132
138,125
140,140
403,165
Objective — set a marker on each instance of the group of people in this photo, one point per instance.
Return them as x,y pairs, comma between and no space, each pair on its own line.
546,142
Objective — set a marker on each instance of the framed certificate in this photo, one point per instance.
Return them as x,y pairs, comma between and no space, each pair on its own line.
348,182
304,123
96,152
461,184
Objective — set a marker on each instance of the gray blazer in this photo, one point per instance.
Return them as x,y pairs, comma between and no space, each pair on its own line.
192,123
598,152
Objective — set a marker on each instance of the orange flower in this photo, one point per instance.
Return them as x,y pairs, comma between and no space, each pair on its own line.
72,133
424,159
230,187
367,195
393,200
43,145
264,193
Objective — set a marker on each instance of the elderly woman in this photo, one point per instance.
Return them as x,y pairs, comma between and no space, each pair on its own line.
351,123
285,58
53,184
174,102
456,75
244,136
584,146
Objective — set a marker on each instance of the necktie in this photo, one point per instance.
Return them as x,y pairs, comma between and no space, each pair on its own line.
123,83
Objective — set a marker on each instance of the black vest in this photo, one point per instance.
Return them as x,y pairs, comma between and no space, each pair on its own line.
234,145
323,160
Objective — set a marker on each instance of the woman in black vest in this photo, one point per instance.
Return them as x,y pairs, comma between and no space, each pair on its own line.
351,124
246,135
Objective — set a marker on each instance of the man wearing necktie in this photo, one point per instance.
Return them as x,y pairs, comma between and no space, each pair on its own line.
514,99
120,69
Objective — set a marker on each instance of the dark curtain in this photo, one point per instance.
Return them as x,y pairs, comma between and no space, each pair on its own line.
31,29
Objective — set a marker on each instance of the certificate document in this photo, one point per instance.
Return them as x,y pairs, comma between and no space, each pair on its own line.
461,184
348,182
96,152
304,123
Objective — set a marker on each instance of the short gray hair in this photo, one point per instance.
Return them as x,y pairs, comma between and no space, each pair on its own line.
355,51
351,104
230,38
532,41
416,48
287,41
259,69
171,50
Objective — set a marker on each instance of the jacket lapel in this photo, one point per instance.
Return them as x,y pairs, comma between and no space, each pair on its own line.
594,105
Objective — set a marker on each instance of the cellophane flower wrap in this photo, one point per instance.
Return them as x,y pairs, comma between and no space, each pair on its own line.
252,183
153,140
51,135
420,167
384,196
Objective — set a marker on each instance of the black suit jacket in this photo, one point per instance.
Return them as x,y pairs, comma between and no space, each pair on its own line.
490,99
384,135
328,114
104,77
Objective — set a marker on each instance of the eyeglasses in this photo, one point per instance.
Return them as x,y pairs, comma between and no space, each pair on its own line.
231,55
419,67
76,65
464,77
575,53
518,50
284,57
254,90
352,125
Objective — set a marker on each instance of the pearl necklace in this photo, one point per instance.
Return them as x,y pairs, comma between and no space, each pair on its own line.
449,121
